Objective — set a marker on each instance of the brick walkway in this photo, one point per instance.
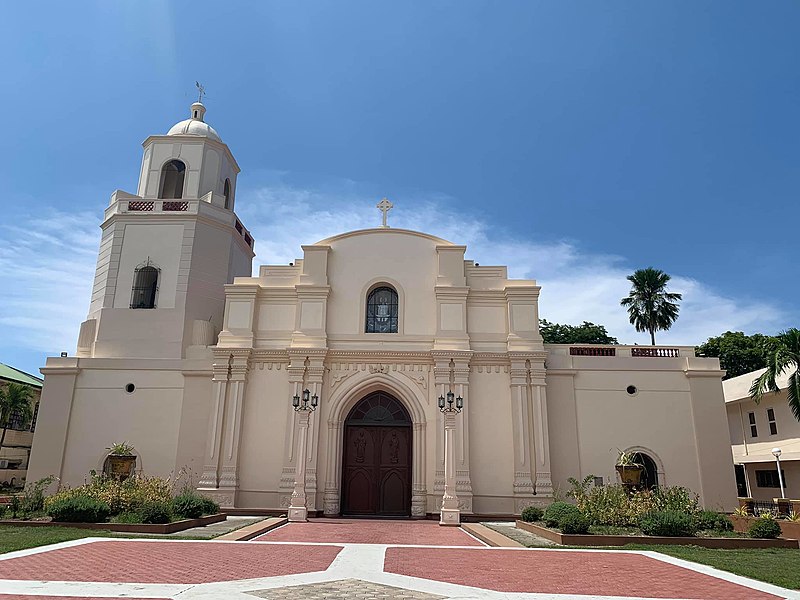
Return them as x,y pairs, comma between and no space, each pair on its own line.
564,572
357,560
362,531
168,562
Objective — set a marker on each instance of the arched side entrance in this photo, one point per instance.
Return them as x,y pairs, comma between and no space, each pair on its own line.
376,466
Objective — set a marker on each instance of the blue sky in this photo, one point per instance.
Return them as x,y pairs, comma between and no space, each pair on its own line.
573,141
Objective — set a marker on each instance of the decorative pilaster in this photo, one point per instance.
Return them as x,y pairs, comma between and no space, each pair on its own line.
315,372
296,374
331,498
523,484
462,473
234,413
543,481
211,462
298,510
418,491
450,512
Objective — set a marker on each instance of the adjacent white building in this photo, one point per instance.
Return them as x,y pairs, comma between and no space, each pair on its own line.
195,362
758,429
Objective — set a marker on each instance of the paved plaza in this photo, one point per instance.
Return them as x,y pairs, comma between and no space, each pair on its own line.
358,559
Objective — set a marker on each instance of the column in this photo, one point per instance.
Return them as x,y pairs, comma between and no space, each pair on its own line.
441,376
523,484
297,508
211,461
419,496
450,513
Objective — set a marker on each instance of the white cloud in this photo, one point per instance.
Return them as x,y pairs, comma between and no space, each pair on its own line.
48,266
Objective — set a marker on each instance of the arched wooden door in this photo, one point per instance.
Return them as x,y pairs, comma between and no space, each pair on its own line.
376,477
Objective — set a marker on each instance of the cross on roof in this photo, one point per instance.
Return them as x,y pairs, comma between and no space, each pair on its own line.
201,91
385,206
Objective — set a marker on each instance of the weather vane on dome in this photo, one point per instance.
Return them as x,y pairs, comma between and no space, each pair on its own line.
384,206
201,91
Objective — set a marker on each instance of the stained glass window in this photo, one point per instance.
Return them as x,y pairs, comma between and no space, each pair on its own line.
382,309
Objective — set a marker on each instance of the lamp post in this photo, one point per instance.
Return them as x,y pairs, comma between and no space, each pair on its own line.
776,452
450,407
303,406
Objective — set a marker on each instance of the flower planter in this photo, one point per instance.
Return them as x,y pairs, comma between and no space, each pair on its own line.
623,540
154,528
630,475
121,466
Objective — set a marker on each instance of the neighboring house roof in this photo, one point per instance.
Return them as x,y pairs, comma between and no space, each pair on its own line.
12,374
738,388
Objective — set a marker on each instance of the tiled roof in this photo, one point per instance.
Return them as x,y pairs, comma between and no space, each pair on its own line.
12,374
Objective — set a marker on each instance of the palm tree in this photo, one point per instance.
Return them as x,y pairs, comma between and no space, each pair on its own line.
784,357
15,401
650,306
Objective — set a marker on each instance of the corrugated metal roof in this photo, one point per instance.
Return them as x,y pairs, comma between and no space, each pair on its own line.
12,374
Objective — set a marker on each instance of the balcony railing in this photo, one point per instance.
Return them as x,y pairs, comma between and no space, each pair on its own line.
655,352
592,351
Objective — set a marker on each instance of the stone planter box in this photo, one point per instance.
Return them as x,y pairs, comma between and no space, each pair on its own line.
622,540
789,529
127,527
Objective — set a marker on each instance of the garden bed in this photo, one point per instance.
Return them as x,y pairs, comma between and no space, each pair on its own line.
155,528
789,529
623,540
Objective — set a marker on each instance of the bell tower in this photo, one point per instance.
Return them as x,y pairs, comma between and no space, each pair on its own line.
167,252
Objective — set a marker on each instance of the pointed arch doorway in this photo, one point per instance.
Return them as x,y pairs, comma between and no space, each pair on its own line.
376,470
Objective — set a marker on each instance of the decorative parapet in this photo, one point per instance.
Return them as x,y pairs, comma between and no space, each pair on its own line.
124,203
620,350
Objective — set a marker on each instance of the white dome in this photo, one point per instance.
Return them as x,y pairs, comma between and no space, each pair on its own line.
195,125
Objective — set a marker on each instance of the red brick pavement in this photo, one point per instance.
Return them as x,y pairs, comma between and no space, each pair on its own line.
574,572
167,562
365,531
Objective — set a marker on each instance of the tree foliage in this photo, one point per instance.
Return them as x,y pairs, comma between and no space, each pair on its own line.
739,353
785,357
15,400
585,333
650,306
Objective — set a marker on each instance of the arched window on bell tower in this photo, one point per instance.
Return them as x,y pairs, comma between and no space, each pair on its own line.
227,193
382,310
145,286
172,176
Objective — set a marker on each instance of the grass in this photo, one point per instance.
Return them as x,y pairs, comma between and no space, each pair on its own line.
19,538
779,566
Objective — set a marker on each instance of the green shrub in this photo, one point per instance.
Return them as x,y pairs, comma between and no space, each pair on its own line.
554,513
125,496
574,523
531,514
668,523
188,506
79,509
156,512
764,528
209,506
32,500
128,517
713,520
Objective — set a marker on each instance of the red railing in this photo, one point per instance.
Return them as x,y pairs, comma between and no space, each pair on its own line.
655,352
141,205
584,351
176,206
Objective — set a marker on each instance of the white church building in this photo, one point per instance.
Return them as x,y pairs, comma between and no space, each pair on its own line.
201,365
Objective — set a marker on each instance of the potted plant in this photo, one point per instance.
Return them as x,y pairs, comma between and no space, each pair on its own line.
630,471
121,460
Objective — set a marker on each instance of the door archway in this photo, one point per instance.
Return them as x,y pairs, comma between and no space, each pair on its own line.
376,470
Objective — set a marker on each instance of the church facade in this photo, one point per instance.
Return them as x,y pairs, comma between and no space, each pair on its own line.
200,365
